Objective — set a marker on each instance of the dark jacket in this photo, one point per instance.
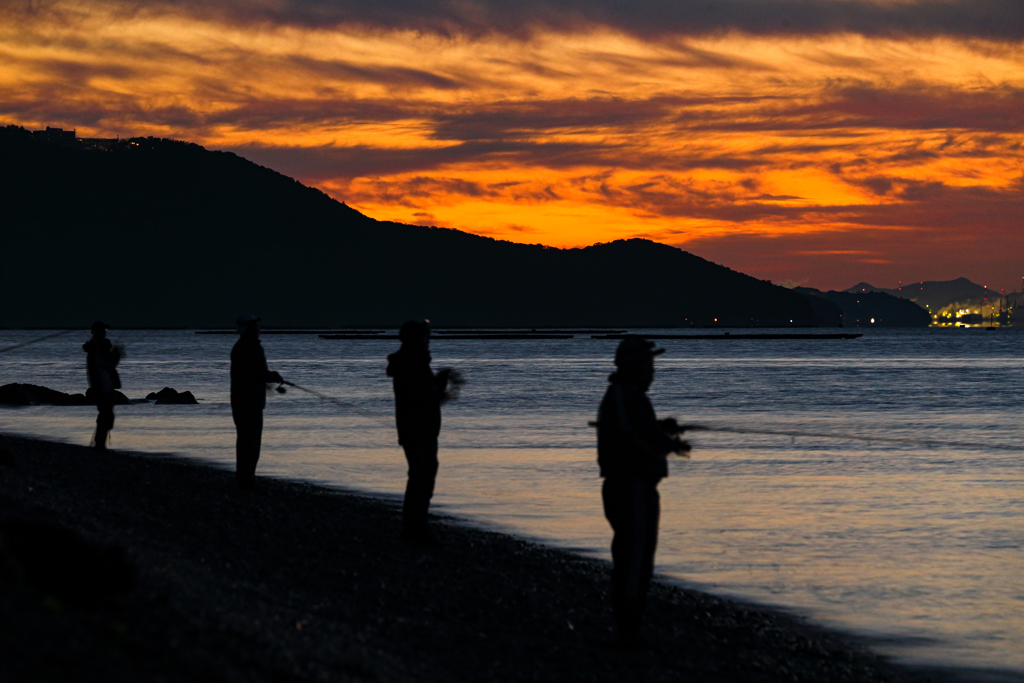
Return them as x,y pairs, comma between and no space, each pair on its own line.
101,365
630,443
418,394
249,374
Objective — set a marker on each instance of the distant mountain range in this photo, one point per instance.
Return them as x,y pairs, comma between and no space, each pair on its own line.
873,308
932,294
157,233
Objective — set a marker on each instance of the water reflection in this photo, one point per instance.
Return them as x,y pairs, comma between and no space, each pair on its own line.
922,544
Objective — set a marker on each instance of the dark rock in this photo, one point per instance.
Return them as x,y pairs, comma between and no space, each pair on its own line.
168,396
33,395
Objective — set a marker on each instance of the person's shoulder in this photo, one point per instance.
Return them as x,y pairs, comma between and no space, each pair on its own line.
399,364
245,345
633,395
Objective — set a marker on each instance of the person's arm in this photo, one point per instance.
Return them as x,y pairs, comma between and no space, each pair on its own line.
441,381
640,423
269,376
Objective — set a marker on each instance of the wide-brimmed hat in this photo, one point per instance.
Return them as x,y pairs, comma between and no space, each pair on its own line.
634,348
247,319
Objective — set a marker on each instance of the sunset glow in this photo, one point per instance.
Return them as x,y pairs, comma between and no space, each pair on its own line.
813,155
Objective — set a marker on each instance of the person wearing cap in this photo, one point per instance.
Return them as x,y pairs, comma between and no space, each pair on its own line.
101,362
249,379
632,445
419,393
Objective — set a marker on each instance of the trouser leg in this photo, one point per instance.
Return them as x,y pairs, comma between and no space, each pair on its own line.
104,419
249,430
633,509
419,489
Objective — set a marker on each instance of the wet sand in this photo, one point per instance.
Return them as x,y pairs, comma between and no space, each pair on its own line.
127,567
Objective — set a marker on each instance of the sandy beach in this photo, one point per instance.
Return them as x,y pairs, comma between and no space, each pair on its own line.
127,567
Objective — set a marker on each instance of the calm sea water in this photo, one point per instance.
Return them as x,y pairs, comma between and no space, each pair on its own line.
920,548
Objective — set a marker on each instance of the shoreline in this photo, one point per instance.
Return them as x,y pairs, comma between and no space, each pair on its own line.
125,566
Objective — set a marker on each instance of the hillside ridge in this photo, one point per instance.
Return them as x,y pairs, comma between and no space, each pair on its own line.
159,233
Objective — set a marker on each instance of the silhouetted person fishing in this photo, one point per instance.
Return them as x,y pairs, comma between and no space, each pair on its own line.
419,393
632,445
249,379
101,362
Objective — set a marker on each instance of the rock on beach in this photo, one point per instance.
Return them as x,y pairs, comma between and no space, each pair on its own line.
168,396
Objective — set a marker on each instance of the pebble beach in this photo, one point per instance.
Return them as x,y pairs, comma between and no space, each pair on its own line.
117,566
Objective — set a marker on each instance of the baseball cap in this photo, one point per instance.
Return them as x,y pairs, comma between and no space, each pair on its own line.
247,319
634,348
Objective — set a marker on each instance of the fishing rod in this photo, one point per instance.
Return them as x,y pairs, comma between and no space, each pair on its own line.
62,333
455,383
336,401
144,337
930,443
36,341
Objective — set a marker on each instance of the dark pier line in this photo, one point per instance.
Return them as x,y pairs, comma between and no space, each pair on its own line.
364,332
729,335
481,333
532,331
438,337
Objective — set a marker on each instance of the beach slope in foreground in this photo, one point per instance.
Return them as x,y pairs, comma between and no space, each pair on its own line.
127,567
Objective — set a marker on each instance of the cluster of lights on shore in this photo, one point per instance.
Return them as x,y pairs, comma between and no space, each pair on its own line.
960,316
968,317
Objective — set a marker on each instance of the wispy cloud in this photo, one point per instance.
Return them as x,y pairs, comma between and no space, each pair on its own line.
833,132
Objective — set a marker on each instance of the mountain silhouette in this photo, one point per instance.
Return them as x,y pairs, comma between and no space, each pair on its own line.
148,232
873,308
934,294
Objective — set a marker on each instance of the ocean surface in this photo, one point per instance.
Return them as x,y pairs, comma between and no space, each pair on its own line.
917,545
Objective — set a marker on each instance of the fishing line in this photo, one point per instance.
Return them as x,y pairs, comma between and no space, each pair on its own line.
62,333
36,341
930,443
143,338
338,402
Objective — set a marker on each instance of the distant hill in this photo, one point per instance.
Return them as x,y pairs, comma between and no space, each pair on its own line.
158,233
932,294
873,309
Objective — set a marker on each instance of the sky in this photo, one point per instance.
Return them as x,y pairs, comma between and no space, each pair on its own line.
812,142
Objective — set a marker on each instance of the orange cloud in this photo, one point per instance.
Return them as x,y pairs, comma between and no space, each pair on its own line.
781,151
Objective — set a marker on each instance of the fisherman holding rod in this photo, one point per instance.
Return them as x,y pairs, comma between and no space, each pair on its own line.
101,362
419,393
249,379
632,445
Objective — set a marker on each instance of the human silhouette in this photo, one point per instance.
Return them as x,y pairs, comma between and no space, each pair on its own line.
632,446
101,362
419,393
249,379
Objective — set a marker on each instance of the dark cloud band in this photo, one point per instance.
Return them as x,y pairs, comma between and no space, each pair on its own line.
1001,20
